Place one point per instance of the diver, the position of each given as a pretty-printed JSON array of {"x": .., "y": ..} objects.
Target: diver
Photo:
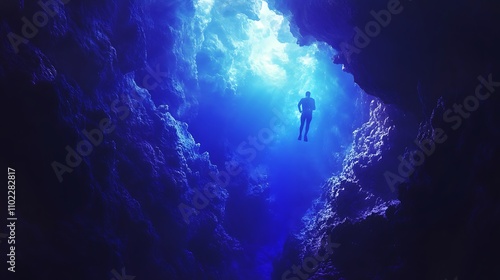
[{"x": 308, "y": 106}]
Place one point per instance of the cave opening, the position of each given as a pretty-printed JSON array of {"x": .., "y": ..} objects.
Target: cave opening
[{"x": 251, "y": 73}]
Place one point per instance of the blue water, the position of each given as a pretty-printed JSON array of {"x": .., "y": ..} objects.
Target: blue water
[{"x": 251, "y": 73}]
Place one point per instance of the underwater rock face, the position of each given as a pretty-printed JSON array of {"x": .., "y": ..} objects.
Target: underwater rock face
[
  {"x": 444, "y": 70},
  {"x": 103, "y": 168},
  {"x": 405, "y": 52}
]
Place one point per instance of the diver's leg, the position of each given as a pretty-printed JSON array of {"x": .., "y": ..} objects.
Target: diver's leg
[
  {"x": 302, "y": 120},
  {"x": 308, "y": 122}
]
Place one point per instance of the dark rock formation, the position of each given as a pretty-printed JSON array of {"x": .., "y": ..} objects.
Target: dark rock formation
[
  {"x": 94, "y": 72},
  {"x": 425, "y": 61}
]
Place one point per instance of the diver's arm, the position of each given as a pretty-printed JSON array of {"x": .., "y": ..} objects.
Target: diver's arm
[
  {"x": 314, "y": 105},
  {"x": 298, "y": 105}
]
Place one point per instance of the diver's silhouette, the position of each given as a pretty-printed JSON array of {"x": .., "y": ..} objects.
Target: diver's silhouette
[{"x": 308, "y": 105}]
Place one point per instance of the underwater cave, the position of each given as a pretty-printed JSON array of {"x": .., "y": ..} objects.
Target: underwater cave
[{"x": 250, "y": 139}]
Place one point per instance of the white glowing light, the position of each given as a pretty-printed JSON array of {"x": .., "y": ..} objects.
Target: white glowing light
[
  {"x": 307, "y": 60},
  {"x": 203, "y": 9},
  {"x": 261, "y": 52},
  {"x": 204, "y": 6},
  {"x": 267, "y": 55}
]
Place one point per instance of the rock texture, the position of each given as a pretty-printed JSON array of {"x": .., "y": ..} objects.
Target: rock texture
[
  {"x": 94, "y": 80},
  {"x": 427, "y": 62}
]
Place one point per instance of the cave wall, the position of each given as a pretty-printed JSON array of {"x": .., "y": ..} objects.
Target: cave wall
[
  {"x": 436, "y": 62},
  {"x": 419, "y": 46},
  {"x": 105, "y": 170}
]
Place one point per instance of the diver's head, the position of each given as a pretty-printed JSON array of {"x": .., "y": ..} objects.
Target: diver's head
[{"x": 308, "y": 94}]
